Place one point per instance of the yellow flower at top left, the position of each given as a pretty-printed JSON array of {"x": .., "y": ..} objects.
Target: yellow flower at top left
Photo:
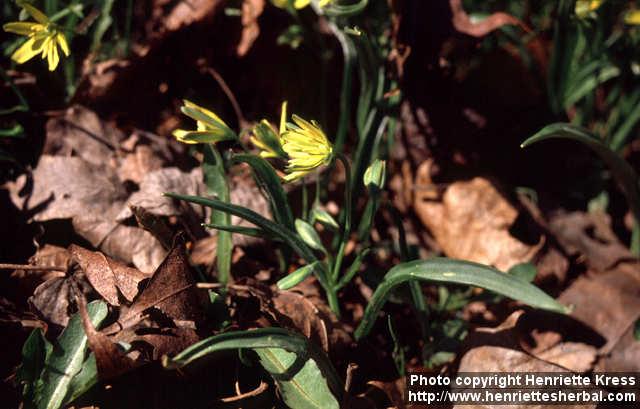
[{"x": 44, "y": 37}]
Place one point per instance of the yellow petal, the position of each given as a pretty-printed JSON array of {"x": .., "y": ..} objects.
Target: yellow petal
[
  {"x": 39, "y": 16},
  {"x": 24, "y": 28},
  {"x": 324, "y": 3},
  {"x": 632, "y": 17},
  {"x": 179, "y": 134},
  {"x": 204, "y": 111},
  {"x": 283, "y": 118},
  {"x": 62, "y": 40},
  {"x": 300, "y": 4},
  {"x": 52, "y": 55},
  {"x": 27, "y": 51}
]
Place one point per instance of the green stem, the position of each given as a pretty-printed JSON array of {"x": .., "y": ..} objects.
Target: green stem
[
  {"x": 348, "y": 55},
  {"x": 305, "y": 200},
  {"x": 346, "y": 229}
]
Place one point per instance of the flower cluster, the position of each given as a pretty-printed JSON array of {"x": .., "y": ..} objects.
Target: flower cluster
[
  {"x": 302, "y": 144},
  {"x": 44, "y": 38}
]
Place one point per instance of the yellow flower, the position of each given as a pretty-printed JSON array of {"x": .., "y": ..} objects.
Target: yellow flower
[
  {"x": 585, "y": 8},
  {"x": 307, "y": 147},
  {"x": 298, "y": 4},
  {"x": 210, "y": 128},
  {"x": 43, "y": 37},
  {"x": 632, "y": 17},
  {"x": 266, "y": 139}
]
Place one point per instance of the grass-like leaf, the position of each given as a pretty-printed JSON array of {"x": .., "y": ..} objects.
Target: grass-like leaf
[
  {"x": 624, "y": 174},
  {"x": 66, "y": 359},
  {"x": 304, "y": 375},
  {"x": 270, "y": 183},
  {"x": 216, "y": 181},
  {"x": 444, "y": 270},
  {"x": 274, "y": 229}
]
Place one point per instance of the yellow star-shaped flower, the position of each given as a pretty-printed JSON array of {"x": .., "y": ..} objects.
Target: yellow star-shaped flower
[
  {"x": 44, "y": 37},
  {"x": 307, "y": 148},
  {"x": 210, "y": 128}
]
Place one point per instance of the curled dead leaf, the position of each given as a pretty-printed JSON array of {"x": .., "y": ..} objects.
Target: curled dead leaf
[{"x": 471, "y": 221}]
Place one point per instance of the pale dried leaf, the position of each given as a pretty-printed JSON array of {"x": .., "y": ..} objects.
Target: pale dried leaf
[{"x": 471, "y": 221}]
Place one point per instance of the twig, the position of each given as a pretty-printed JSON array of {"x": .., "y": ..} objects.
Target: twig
[
  {"x": 261, "y": 388},
  {"x": 242, "y": 122},
  {"x": 30, "y": 267}
]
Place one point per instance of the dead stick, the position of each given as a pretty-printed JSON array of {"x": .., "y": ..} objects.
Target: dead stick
[{"x": 4, "y": 266}]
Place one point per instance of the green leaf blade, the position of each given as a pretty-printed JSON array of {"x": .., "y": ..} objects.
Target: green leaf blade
[
  {"x": 304, "y": 375},
  {"x": 444, "y": 270},
  {"x": 66, "y": 359}
]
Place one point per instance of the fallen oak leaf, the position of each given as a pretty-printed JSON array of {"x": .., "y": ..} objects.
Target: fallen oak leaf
[
  {"x": 110, "y": 361},
  {"x": 108, "y": 276},
  {"x": 171, "y": 289}
]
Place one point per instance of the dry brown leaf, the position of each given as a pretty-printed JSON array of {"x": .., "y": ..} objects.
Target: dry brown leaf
[
  {"x": 108, "y": 276},
  {"x": 110, "y": 361},
  {"x": 494, "y": 359},
  {"x": 251, "y": 11},
  {"x": 590, "y": 235},
  {"x": 462, "y": 22},
  {"x": 554, "y": 339},
  {"x": 471, "y": 221},
  {"x": 53, "y": 299},
  {"x": 304, "y": 316},
  {"x": 394, "y": 391},
  {"x": 150, "y": 195},
  {"x": 167, "y": 341},
  {"x": 608, "y": 302},
  {"x": 170, "y": 290},
  {"x": 188, "y": 12}
]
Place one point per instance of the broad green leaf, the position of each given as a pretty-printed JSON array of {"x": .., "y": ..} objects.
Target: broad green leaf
[
  {"x": 34, "y": 354},
  {"x": 295, "y": 278},
  {"x": 304, "y": 375},
  {"x": 309, "y": 235},
  {"x": 624, "y": 174},
  {"x": 444, "y": 270},
  {"x": 216, "y": 181},
  {"x": 66, "y": 358},
  {"x": 84, "y": 380},
  {"x": 270, "y": 183}
]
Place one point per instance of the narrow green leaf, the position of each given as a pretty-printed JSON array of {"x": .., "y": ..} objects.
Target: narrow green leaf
[
  {"x": 524, "y": 271},
  {"x": 309, "y": 235},
  {"x": 443, "y": 270},
  {"x": 304, "y": 375},
  {"x": 216, "y": 181},
  {"x": 66, "y": 359},
  {"x": 352, "y": 270},
  {"x": 624, "y": 174},
  {"x": 295, "y": 278},
  {"x": 620, "y": 136},
  {"x": 270, "y": 183},
  {"x": 346, "y": 10},
  {"x": 274, "y": 229},
  {"x": 636, "y": 330},
  {"x": 246, "y": 231}
]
